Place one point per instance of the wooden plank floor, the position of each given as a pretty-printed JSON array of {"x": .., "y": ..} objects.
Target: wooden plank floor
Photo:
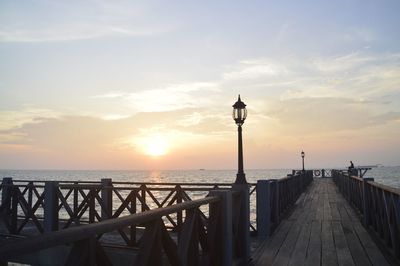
[{"x": 323, "y": 229}]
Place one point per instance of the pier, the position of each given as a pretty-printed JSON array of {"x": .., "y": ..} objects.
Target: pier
[
  {"x": 323, "y": 229},
  {"x": 320, "y": 217}
]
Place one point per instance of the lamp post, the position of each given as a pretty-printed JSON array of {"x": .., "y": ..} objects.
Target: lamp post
[
  {"x": 302, "y": 157},
  {"x": 239, "y": 115},
  {"x": 243, "y": 220}
]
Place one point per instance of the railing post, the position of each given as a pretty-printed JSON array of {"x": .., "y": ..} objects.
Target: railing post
[
  {"x": 6, "y": 193},
  {"x": 226, "y": 239},
  {"x": 345, "y": 185},
  {"x": 263, "y": 204},
  {"x": 14, "y": 210},
  {"x": 366, "y": 197},
  {"x": 92, "y": 204},
  {"x": 275, "y": 188},
  {"x": 243, "y": 249},
  {"x": 179, "y": 217},
  {"x": 75, "y": 198},
  {"x": 323, "y": 172},
  {"x": 50, "y": 222},
  {"x": 349, "y": 188},
  {"x": 106, "y": 197},
  {"x": 9, "y": 199},
  {"x": 132, "y": 227},
  {"x": 342, "y": 184},
  {"x": 30, "y": 194},
  {"x": 143, "y": 194}
]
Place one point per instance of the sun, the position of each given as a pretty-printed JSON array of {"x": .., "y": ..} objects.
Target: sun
[{"x": 155, "y": 146}]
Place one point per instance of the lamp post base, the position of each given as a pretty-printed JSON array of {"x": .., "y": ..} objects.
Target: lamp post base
[{"x": 240, "y": 178}]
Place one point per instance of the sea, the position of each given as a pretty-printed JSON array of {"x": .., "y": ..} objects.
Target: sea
[{"x": 386, "y": 175}]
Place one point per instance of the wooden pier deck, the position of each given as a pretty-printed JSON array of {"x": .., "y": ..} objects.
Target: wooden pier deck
[{"x": 323, "y": 229}]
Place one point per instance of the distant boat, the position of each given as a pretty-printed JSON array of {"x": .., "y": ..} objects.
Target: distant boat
[{"x": 202, "y": 169}]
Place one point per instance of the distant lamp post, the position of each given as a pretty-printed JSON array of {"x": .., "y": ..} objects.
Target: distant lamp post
[
  {"x": 302, "y": 157},
  {"x": 239, "y": 115}
]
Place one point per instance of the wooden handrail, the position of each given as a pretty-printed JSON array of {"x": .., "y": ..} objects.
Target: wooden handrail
[
  {"x": 81, "y": 186},
  {"x": 74, "y": 234},
  {"x": 376, "y": 184},
  {"x": 135, "y": 183},
  {"x": 378, "y": 206},
  {"x": 393, "y": 190},
  {"x": 356, "y": 178},
  {"x": 87, "y": 203}
]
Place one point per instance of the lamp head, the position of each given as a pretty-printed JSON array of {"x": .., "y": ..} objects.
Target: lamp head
[{"x": 239, "y": 113}]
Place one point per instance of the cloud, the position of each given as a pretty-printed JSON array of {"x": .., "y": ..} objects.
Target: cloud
[
  {"x": 86, "y": 132},
  {"x": 172, "y": 97},
  {"x": 342, "y": 63},
  {"x": 71, "y": 34},
  {"x": 65, "y": 132},
  {"x": 253, "y": 69},
  {"x": 360, "y": 75},
  {"x": 66, "y": 21},
  {"x": 192, "y": 119},
  {"x": 385, "y": 118},
  {"x": 111, "y": 95},
  {"x": 17, "y": 118},
  {"x": 114, "y": 117},
  {"x": 328, "y": 115}
]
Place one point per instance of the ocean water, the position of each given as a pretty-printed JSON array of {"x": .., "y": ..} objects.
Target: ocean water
[
  {"x": 386, "y": 175},
  {"x": 389, "y": 176},
  {"x": 182, "y": 176}
]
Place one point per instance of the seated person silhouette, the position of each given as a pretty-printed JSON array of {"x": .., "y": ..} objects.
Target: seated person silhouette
[{"x": 352, "y": 170}]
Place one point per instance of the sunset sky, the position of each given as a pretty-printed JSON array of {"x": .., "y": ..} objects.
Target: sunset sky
[{"x": 150, "y": 84}]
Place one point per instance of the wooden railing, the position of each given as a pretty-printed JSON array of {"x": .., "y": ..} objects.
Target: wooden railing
[
  {"x": 378, "y": 205},
  {"x": 210, "y": 243},
  {"x": 275, "y": 197},
  {"x": 49, "y": 206},
  {"x": 71, "y": 203}
]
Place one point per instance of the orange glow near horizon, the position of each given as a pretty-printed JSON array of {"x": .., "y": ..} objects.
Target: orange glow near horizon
[{"x": 155, "y": 146}]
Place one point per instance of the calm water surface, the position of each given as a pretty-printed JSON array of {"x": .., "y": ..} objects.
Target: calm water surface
[
  {"x": 386, "y": 175},
  {"x": 199, "y": 176}
]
